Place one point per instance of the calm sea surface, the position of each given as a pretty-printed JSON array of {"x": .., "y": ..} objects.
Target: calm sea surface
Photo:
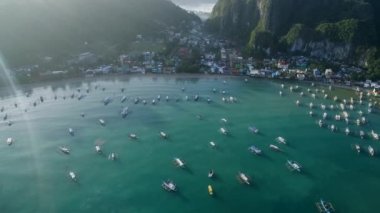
[{"x": 34, "y": 174}]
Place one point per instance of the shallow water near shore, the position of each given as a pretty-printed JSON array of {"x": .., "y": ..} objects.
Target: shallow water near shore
[{"x": 34, "y": 174}]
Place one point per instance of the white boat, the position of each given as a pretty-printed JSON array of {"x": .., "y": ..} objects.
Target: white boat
[
  {"x": 297, "y": 102},
  {"x": 281, "y": 140},
  {"x": 282, "y": 86},
  {"x": 179, "y": 163},
  {"x": 153, "y": 102},
  {"x": 144, "y": 102},
  {"x": 302, "y": 94},
  {"x": 293, "y": 166},
  {"x": 163, "y": 135},
  {"x": 311, "y": 113},
  {"x": 169, "y": 185},
  {"x": 371, "y": 151},
  {"x": 253, "y": 129},
  {"x": 357, "y": 148},
  {"x": 254, "y": 150},
  {"x": 124, "y": 112},
  {"x": 212, "y": 144},
  {"x": 98, "y": 149},
  {"x": 375, "y": 135},
  {"x": 71, "y": 131},
  {"x": 72, "y": 176},
  {"x": 320, "y": 123},
  {"x": 280, "y": 93},
  {"x": 333, "y": 128},
  {"x": 112, "y": 156},
  {"x": 362, "y": 134},
  {"x": 337, "y": 117},
  {"x": 132, "y": 136},
  {"x": 136, "y": 100},
  {"x": 324, "y": 207},
  {"x": 243, "y": 178},
  {"x": 358, "y": 122},
  {"x": 274, "y": 147},
  {"x": 223, "y": 131},
  {"x": 210, "y": 174},
  {"x": 347, "y": 131},
  {"x": 311, "y": 105},
  {"x": 323, "y": 107},
  {"x": 123, "y": 99},
  {"x": 196, "y": 97},
  {"x": 167, "y": 98},
  {"x": 9, "y": 141},
  {"x": 102, "y": 122},
  {"x": 324, "y": 116},
  {"x": 224, "y": 120},
  {"x": 64, "y": 150}
]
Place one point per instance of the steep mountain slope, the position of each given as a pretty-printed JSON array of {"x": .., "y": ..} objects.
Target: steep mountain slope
[
  {"x": 322, "y": 26},
  {"x": 38, "y": 28}
]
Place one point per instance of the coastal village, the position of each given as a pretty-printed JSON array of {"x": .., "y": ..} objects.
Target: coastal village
[{"x": 195, "y": 51}]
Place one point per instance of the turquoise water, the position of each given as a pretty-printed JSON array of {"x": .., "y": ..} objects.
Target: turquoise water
[{"x": 34, "y": 175}]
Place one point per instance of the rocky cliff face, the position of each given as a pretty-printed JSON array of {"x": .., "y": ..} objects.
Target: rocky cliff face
[{"x": 246, "y": 19}]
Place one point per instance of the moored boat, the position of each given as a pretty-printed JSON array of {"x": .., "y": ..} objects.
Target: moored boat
[
  {"x": 243, "y": 178},
  {"x": 64, "y": 150},
  {"x": 132, "y": 136},
  {"x": 169, "y": 186},
  {"x": 324, "y": 207},
  {"x": 254, "y": 150},
  {"x": 210, "y": 190},
  {"x": 274, "y": 147},
  {"x": 374, "y": 135},
  {"x": 102, "y": 122},
  {"x": 212, "y": 144},
  {"x": 223, "y": 131},
  {"x": 73, "y": 176},
  {"x": 9, "y": 141},
  {"x": 163, "y": 135},
  {"x": 210, "y": 173},
  {"x": 293, "y": 165},
  {"x": 253, "y": 129},
  {"x": 357, "y": 148},
  {"x": 179, "y": 163},
  {"x": 281, "y": 140},
  {"x": 371, "y": 151},
  {"x": 71, "y": 131}
]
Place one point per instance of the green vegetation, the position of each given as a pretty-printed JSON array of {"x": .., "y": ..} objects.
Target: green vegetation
[{"x": 33, "y": 29}]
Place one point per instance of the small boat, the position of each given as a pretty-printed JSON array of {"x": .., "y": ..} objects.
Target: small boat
[
  {"x": 362, "y": 134},
  {"x": 196, "y": 97},
  {"x": 280, "y": 93},
  {"x": 5, "y": 117},
  {"x": 163, "y": 135},
  {"x": 136, "y": 100},
  {"x": 144, "y": 102},
  {"x": 212, "y": 144},
  {"x": 254, "y": 150},
  {"x": 73, "y": 176},
  {"x": 243, "y": 178},
  {"x": 347, "y": 131},
  {"x": 224, "y": 120},
  {"x": 357, "y": 148},
  {"x": 311, "y": 105},
  {"x": 210, "y": 191},
  {"x": 337, "y": 117},
  {"x": 123, "y": 99},
  {"x": 293, "y": 166},
  {"x": 169, "y": 186},
  {"x": 153, "y": 101},
  {"x": 333, "y": 128},
  {"x": 158, "y": 97},
  {"x": 167, "y": 98},
  {"x": 371, "y": 151},
  {"x": 282, "y": 86},
  {"x": 102, "y": 122},
  {"x": 210, "y": 174},
  {"x": 274, "y": 147},
  {"x": 311, "y": 113},
  {"x": 324, "y": 207},
  {"x": 82, "y": 115},
  {"x": 98, "y": 149},
  {"x": 81, "y": 97},
  {"x": 302, "y": 94},
  {"x": 223, "y": 131},
  {"x": 358, "y": 122},
  {"x": 124, "y": 112},
  {"x": 281, "y": 140},
  {"x": 112, "y": 156},
  {"x": 9, "y": 141},
  {"x": 320, "y": 123},
  {"x": 107, "y": 100},
  {"x": 71, "y": 131},
  {"x": 324, "y": 116},
  {"x": 179, "y": 163},
  {"x": 64, "y": 150},
  {"x": 132, "y": 136},
  {"x": 253, "y": 129},
  {"x": 375, "y": 135},
  {"x": 297, "y": 102}
]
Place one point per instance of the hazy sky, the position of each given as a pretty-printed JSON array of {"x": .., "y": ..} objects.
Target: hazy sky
[{"x": 200, "y": 5}]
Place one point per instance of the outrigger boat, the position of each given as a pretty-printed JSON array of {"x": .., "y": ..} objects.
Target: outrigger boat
[
  {"x": 210, "y": 190},
  {"x": 210, "y": 174},
  {"x": 98, "y": 149},
  {"x": 73, "y": 176},
  {"x": 223, "y": 131},
  {"x": 179, "y": 163},
  {"x": 212, "y": 144},
  {"x": 253, "y": 129},
  {"x": 281, "y": 140},
  {"x": 124, "y": 112},
  {"x": 9, "y": 141},
  {"x": 64, "y": 150},
  {"x": 224, "y": 120},
  {"x": 123, "y": 99},
  {"x": 371, "y": 151},
  {"x": 254, "y": 150},
  {"x": 293, "y": 166},
  {"x": 324, "y": 207},
  {"x": 107, "y": 100},
  {"x": 357, "y": 148},
  {"x": 132, "y": 136},
  {"x": 375, "y": 135},
  {"x": 102, "y": 122},
  {"x": 243, "y": 178},
  {"x": 274, "y": 147},
  {"x": 362, "y": 134},
  {"x": 163, "y": 135},
  {"x": 169, "y": 186},
  {"x": 71, "y": 131}
]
